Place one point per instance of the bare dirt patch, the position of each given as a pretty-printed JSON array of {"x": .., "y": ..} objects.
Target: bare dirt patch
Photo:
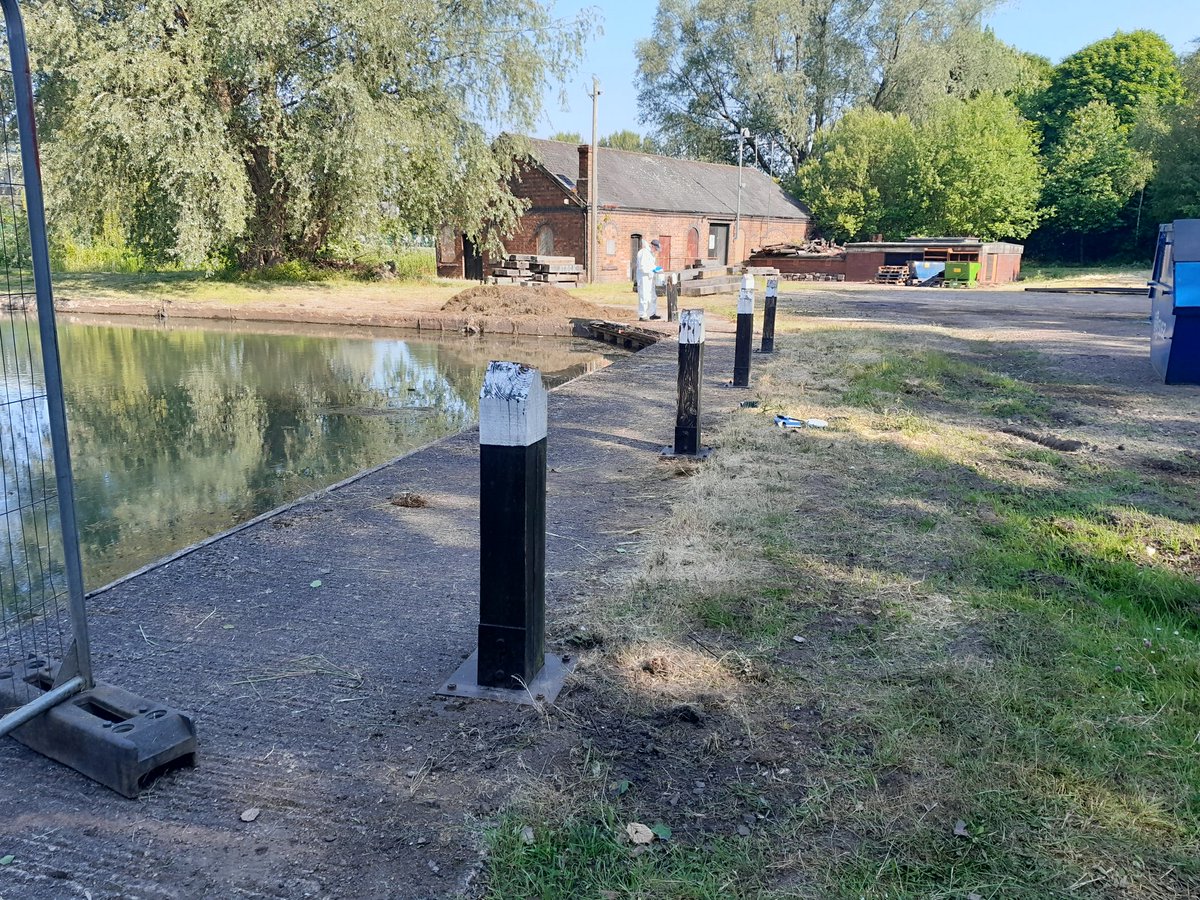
[{"x": 544, "y": 301}]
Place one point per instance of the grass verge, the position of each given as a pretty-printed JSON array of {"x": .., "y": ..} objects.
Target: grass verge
[{"x": 910, "y": 655}]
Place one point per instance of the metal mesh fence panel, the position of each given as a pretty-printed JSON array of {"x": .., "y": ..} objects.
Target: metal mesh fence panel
[{"x": 41, "y": 602}]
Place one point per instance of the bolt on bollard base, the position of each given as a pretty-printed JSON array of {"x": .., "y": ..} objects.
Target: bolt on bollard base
[
  {"x": 511, "y": 663},
  {"x": 691, "y": 367},
  {"x": 544, "y": 687}
]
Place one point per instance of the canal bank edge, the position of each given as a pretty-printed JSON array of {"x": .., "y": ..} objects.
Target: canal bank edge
[{"x": 421, "y": 321}]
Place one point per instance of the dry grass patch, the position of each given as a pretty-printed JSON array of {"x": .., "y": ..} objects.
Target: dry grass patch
[{"x": 910, "y": 655}]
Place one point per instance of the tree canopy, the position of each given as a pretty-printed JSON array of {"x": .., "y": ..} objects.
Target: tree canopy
[
  {"x": 969, "y": 168},
  {"x": 1093, "y": 172},
  {"x": 786, "y": 69},
  {"x": 1175, "y": 189},
  {"x": 1127, "y": 71},
  {"x": 863, "y": 177},
  {"x": 629, "y": 140},
  {"x": 272, "y": 130}
]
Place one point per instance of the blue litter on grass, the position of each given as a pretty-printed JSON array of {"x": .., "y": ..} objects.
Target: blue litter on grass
[{"x": 789, "y": 422}]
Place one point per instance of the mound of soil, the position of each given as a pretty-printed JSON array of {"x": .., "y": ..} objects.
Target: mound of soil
[{"x": 513, "y": 301}]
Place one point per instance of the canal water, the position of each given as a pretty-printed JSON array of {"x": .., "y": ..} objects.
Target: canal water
[{"x": 180, "y": 431}]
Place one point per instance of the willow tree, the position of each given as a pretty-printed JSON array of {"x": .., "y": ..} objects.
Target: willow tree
[
  {"x": 272, "y": 129},
  {"x": 786, "y": 69}
]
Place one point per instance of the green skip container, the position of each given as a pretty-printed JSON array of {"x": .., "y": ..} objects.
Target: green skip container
[{"x": 962, "y": 273}]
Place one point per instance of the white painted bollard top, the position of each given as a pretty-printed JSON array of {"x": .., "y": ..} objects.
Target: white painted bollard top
[
  {"x": 691, "y": 326},
  {"x": 512, "y": 406},
  {"x": 746, "y": 295}
]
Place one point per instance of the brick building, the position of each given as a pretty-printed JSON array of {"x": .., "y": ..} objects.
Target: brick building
[{"x": 690, "y": 207}]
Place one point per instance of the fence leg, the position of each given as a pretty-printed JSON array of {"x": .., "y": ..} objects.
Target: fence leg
[
  {"x": 672, "y": 297},
  {"x": 511, "y": 663},
  {"x": 745, "y": 333},
  {"x": 768, "y": 333},
  {"x": 691, "y": 367}
]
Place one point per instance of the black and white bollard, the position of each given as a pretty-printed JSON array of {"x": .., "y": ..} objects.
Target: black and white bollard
[
  {"x": 672, "y": 297},
  {"x": 768, "y": 334},
  {"x": 510, "y": 663},
  {"x": 745, "y": 333},
  {"x": 691, "y": 368}
]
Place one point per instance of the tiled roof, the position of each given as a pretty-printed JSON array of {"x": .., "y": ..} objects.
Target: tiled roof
[{"x": 631, "y": 180}]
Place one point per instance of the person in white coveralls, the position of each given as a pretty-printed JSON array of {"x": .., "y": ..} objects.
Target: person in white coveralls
[{"x": 645, "y": 266}]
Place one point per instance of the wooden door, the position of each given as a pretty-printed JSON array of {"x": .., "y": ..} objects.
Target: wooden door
[
  {"x": 718, "y": 244},
  {"x": 664, "y": 254},
  {"x": 693, "y": 246},
  {"x": 472, "y": 261}
]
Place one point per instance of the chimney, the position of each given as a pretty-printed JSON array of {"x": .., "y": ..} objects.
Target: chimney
[{"x": 581, "y": 183}]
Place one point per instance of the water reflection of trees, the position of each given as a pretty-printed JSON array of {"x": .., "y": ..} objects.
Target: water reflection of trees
[
  {"x": 180, "y": 433},
  {"x": 32, "y": 578}
]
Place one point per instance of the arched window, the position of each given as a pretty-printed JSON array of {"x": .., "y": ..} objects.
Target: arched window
[{"x": 545, "y": 241}]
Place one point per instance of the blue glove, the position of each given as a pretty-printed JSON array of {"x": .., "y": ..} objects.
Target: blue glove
[{"x": 658, "y": 268}]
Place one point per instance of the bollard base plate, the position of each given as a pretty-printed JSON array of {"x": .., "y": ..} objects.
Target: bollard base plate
[
  {"x": 544, "y": 688},
  {"x": 112, "y": 736},
  {"x": 669, "y": 453}
]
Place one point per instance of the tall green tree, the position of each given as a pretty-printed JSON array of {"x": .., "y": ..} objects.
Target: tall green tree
[
  {"x": 1175, "y": 189},
  {"x": 1093, "y": 172},
  {"x": 969, "y": 168},
  {"x": 785, "y": 69},
  {"x": 1127, "y": 71},
  {"x": 272, "y": 129},
  {"x": 567, "y": 137},
  {"x": 986, "y": 175},
  {"x": 863, "y": 177}
]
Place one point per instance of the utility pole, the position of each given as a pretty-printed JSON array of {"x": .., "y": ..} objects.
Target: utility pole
[
  {"x": 593, "y": 193},
  {"x": 737, "y": 231}
]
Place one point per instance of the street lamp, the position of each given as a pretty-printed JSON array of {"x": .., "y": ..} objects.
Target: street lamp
[{"x": 742, "y": 135}]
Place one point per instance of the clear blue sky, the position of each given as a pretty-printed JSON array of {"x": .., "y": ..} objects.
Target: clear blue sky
[{"x": 1052, "y": 28}]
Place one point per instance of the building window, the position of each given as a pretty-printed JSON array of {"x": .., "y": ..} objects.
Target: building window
[{"x": 545, "y": 241}]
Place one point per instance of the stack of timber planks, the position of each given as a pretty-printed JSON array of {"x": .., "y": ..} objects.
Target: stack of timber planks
[
  {"x": 528, "y": 268},
  {"x": 709, "y": 279},
  {"x": 705, "y": 281}
]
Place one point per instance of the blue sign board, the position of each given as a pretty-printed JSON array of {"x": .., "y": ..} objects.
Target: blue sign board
[{"x": 1175, "y": 303}]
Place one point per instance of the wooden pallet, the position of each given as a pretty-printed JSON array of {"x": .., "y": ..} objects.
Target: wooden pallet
[
  {"x": 892, "y": 275},
  {"x": 628, "y": 336}
]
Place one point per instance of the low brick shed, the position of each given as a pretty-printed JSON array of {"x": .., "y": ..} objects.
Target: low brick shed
[{"x": 690, "y": 207}]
